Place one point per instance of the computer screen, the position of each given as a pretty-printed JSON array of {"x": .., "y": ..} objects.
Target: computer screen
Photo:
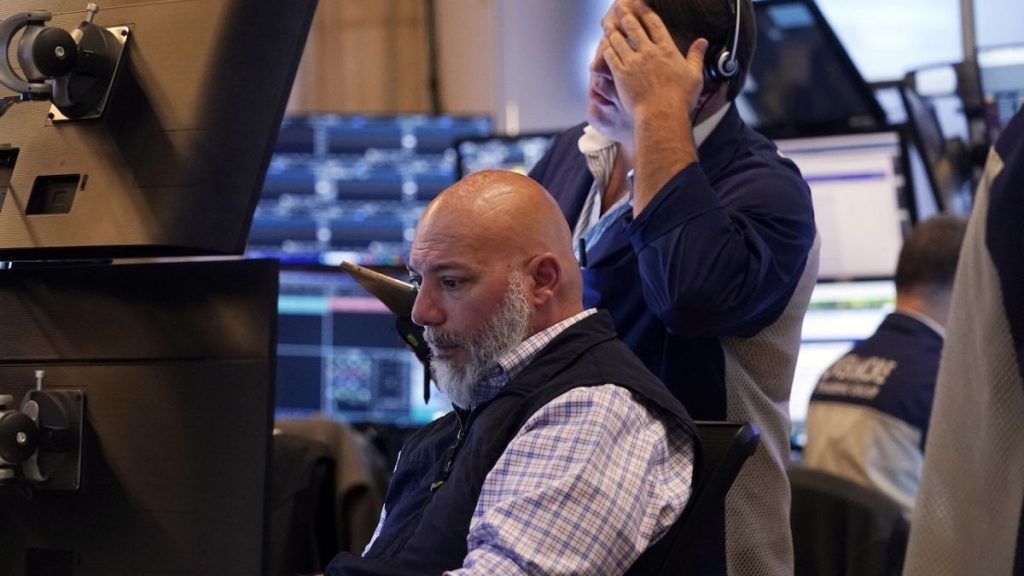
[
  {"x": 176, "y": 363},
  {"x": 1002, "y": 79},
  {"x": 801, "y": 80},
  {"x": 516, "y": 153},
  {"x": 174, "y": 164},
  {"x": 352, "y": 187},
  {"x": 340, "y": 356},
  {"x": 862, "y": 205},
  {"x": 840, "y": 315}
]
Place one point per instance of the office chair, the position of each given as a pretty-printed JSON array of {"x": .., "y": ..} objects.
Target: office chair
[
  {"x": 359, "y": 484},
  {"x": 842, "y": 528},
  {"x": 697, "y": 537},
  {"x": 303, "y": 534}
]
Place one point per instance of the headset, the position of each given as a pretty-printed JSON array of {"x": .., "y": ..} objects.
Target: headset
[{"x": 720, "y": 62}]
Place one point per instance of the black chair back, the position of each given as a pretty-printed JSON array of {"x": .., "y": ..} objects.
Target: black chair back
[
  {"x": 303, "y": 532},
  {"x": 842, "y": 528},
  {"x": 697, "y": 538}
]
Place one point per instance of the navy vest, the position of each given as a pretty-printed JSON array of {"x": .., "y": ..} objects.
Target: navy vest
[{"x": 442, "y": 468}]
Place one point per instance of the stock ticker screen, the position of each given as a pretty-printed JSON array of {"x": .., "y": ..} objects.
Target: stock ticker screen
[
  {"x": 339, "y": 355},
  {"x": 352, "y": 188}
]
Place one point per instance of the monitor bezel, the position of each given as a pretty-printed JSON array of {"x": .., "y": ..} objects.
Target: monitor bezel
[{"x": 862, "y": 87}]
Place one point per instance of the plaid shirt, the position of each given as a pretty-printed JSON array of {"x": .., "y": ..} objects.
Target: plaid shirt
[{"x": 589, "y": 482}]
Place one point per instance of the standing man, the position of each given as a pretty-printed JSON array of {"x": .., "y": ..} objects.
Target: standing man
[
  {"x": 869, "y": 414},
  {"x": 697, "y": 236},
  {"x": 968, "y": 517}
]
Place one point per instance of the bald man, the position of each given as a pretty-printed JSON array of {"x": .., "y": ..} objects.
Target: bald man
[{"x": 563, "y": 454}]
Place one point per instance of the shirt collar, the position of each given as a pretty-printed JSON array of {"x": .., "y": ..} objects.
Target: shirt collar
[
  {"x": 926, "y": 320},
  {"x": 512, "y": 363},
  {"x": 704, "y": 129}
]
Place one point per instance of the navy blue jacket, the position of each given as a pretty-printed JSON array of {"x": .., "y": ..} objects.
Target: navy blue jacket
[
  {"x": 718, "y": 252},
  {"x": 906, "y": 387},
  {"x": 442, "y": 468}
]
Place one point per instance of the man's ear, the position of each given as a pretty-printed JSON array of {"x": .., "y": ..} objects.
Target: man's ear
[{"x": 546, "y": 273}]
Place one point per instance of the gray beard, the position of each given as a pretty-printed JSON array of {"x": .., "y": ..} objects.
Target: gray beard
[{"x": 498, "y": 336}]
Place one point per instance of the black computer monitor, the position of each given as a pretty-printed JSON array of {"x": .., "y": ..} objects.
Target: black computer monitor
[
  {"x": 174, "y": 164},
  {"x": 802, "y": 81},
  {"x": 341, "y": 357},
  {"x": 351, "y": 187},
  {"x": 176, "y": 363}
]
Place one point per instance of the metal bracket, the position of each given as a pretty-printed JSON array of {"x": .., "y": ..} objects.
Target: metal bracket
[
  {"x": 44, "y": 439},
  {"x": 64, "y": 100}
]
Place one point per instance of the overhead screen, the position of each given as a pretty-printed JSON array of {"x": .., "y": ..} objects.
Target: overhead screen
[
  {"x": 951, "y": 183},
  {"x": 861, "y": 206},
  {"x": 352, "y": 187},
  {"x": 339, "y": 355},
  {"x": 801, "y": 80}
]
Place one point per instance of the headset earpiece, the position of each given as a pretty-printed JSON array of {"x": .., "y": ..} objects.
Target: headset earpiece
[
  {"x": 719, "y": 65},
  {"x": 720, "y": 61}
]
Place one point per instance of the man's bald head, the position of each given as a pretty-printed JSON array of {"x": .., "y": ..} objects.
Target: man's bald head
[
  {"x": 505, "y": 210},
  {"x": 504, "y": 219}
]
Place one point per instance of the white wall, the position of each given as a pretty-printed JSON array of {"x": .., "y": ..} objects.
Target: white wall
[
  {"x": 887, "y": 38},
  {"x": 523, "y": 61},
  {"x": 999, "y": 22},
  {"x": 466, "y": 55},
  {"x": 542, "y": 51}
]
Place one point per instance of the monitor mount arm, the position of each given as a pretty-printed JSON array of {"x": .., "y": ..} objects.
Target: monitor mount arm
[
  {"x": 75, "y": 70},
  {"x": 40, "y": 442}
]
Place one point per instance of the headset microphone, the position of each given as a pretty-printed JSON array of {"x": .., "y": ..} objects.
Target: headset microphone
[{"x": 720, "y": 63}]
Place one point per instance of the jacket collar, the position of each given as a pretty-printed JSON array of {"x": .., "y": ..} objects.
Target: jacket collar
[{"x": 720, "y": 147}]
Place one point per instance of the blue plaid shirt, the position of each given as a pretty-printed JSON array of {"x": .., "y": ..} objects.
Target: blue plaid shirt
[{"x": 590, "y": 481}]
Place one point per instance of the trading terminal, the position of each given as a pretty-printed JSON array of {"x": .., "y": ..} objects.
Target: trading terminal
[{"x": 206, "y": 391}]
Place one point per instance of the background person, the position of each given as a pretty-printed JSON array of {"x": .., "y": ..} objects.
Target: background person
[
  {"x": 868, "y": 416},
  {"x": 969, "y": 508}
]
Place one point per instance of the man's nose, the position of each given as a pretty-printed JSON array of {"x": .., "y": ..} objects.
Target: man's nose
[{"x": 425, "y": 309}]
